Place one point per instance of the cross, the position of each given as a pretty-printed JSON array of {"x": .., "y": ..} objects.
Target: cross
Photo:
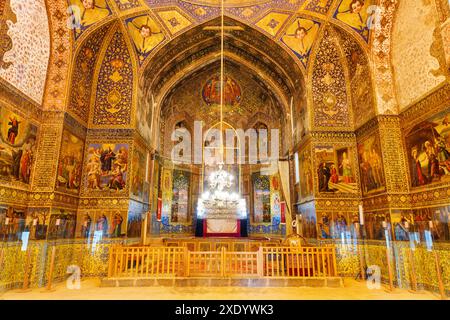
[{"x": 225, "y": 28}]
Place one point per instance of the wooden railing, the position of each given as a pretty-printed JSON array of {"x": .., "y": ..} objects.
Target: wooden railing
[
  {"x": 299, "y": 262},
  {"x": 267, "y": 262},
  {"x": 217, "y": 245}
]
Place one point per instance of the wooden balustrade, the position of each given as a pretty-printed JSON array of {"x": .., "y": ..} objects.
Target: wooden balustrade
[
  {"x": 217, "y": 245},
  {"x": 173, "y": 262},
  {"x": 299, "y": 262}
]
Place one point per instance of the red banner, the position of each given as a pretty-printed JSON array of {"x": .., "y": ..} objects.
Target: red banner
[
  {"x": 159, "y": 211},
  {"x": 283, "y": 211}
]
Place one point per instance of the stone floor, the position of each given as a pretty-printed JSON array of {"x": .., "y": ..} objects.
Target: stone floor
[{"x": 91, "y": 290}]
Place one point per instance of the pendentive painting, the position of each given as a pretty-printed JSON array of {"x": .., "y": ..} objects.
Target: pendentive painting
[
  {"x": 17, "y": 147},
  {"x": 70, "y": 163},
  {"x": 335, "y": 170},
  {"x": 358, "y": 14},
  {"x": 371, "y": 166},
  {"x": 107, "y": 167},
  {"x": 428, "y": 148},
  {"x": 86, "y": 13}
]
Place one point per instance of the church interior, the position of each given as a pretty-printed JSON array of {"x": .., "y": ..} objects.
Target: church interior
[{"x": 300, "y": 144}]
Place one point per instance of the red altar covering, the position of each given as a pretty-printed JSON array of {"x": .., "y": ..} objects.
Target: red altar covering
[{"x": 221, "y": 228}]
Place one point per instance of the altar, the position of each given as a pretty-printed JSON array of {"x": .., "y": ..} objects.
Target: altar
[{"x": 223, "y": 223}]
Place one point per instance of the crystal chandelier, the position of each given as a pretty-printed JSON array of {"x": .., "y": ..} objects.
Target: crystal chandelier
[{"x": 218, "y": 201}]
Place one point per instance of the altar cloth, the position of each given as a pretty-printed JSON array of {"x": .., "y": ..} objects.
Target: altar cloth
[{"x": 219, "y": 226}]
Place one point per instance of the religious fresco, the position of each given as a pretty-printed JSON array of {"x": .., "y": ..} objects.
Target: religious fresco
[
  {"x": 308, "y": 221},
  {"x": 335, "y": 170},
  {"x": 402, "y": 224},
  {"x": 371, "y": 166},
  {"x": 232, "y": 94},
  {"x": 377, "y": 225},
  {"x": 134, "y": 225},
  {"x": 62, "y": 224},
  {"x": 261, "y": 198},
  {"x": 356, "y": 14},
  {"x": 17, "y": 147},
  {"x": 339, "y": 225},
  {"x": 300, "y": 37},
  {"x": 88, "y": 12},
  {"x": 107, "y": 166},
  {"x": 70, "y": 163},
  {"x": 25, "y": 52},
  {"x": 36, "y": 221},
  {"x": 111, "y": 224},
  {"x": 145, "y": 34},
  {"x": 13, "y": 222},
  {"x": 138, "y": 163},
  {"x": 180, "y": 198},
  {"x": 114, "y": 94},
  {"x": 428, "y": 149},
  {"x": 306, "y": 176},
  {"x": 435, "y": 221}
]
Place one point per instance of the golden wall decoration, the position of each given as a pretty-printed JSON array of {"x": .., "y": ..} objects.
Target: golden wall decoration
[
  {"x": 332, "y": 106},
  {"x": 114, "y": 85},
  {"x": 61, "y": 50},
  {"x": 83, "y": 73}
]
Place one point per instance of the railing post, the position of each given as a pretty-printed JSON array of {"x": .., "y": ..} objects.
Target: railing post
[
  {"x": 439, "y": 276},
  {"x": 188, "y": 266},
  {"x": 260, "y": 262},
  {"x": 186, "y": 261},
  {"x": 222, "y": 262},
  {"x": 335, "y": 272}
]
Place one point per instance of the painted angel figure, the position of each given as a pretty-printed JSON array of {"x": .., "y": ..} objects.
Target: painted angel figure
[
  {"x": 301, "y": 41},
  {"x": 145, "y": 37},
  {"x": 354, "y": 13},
  {"x": 90, "y": 11}
]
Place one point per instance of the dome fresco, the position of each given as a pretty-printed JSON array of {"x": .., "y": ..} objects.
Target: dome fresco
[{"x": 231, "y": 91}]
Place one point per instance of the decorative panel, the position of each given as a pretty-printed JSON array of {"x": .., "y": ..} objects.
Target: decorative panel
[
  {"x": 329, "y": 87},
  {"x": 114, "y": 89}
]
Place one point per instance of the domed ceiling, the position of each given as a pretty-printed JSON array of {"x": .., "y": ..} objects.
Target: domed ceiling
[{"x": 295, "y": 24}]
